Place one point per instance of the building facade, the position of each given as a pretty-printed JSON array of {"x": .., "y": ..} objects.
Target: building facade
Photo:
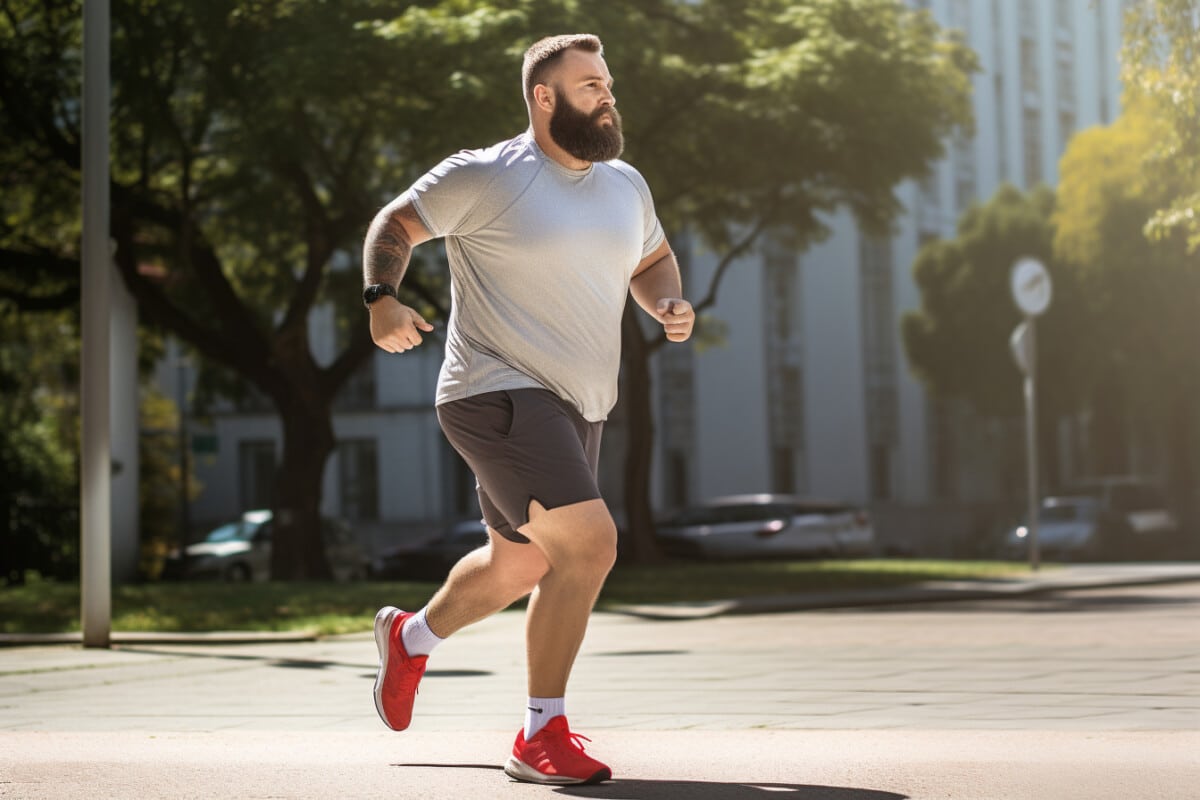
[{"x": 811, "y": 392}]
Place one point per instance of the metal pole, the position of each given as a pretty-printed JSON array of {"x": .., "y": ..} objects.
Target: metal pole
[
  {"x": 185, "y": 514},
  {"x": 1031, "y": 445},
  {"x": 96, "y": 468}
]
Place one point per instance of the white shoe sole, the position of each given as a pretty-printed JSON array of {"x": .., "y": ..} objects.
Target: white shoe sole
[
  {"x": 383, "y": 627},
  {"x": 519, "y": 770}
]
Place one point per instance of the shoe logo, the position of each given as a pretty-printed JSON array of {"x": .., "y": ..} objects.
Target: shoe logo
[{"x": 535, "y": 710}]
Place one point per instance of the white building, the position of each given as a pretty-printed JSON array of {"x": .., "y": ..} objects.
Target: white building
[{"x": 810, "y": 392}]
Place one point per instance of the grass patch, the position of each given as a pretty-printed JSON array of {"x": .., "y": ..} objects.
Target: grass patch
[
  {"x": 44, "y": 606},
  {"x": 700, "y": 581}
]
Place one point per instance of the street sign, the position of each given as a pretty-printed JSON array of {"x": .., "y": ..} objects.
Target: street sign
[{"x": 1031, "y": 286}]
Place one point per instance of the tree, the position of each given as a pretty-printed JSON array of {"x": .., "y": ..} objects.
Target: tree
[
  {"x": 38, "y": 440},
  {"x": 1161, "y": 62},
  {"x": 958, "y": 341},
  {"x": 252, "y": 142},
  {"x": 1141, "y": 291}
]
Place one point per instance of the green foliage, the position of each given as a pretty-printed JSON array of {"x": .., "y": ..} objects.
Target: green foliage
[
  {"x": 1161, "y": 62},
  {"x": 958, "y": 341},
  {"x": 38, "y": 441},
  {"x": 1141, "y": 292}
]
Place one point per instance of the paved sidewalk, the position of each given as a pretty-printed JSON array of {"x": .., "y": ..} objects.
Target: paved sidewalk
[{"x": 1090, "y": 693}]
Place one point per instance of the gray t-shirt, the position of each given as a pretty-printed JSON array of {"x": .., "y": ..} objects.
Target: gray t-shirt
[{"x": 540, "y": 262}]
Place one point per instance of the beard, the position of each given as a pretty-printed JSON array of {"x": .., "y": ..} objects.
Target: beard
[{"x": 583, "y": 136}]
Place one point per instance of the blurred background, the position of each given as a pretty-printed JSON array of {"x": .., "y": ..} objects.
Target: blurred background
[{"x": 846, "y": 183}]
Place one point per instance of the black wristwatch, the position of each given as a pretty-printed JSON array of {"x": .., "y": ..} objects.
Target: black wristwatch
[{"x": 376, "y": 291}]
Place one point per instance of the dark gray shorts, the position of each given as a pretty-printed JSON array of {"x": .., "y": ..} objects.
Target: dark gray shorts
[{"x": 523, "y": 445}]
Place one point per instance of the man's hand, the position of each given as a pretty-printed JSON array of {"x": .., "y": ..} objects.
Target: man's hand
[
  {"x": 677, "y": 316},
  {"x": 394, "y": 325}
]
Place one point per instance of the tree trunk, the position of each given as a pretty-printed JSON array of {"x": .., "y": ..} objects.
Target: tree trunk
[
  {"x": 639, "y": 452},
  {"x": 298, "y": 550}
]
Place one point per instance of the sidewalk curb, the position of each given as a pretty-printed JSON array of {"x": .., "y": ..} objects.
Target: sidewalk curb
[
  {"x": 931, "y": 592},
  {"x": 136, "y": 637}
]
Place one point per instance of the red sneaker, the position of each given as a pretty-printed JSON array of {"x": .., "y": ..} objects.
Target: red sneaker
[
  {"x": 554, "y": 755},
  {"x": 398, "y": 676}
]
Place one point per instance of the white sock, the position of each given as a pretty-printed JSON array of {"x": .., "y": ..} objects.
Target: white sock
[
  {"x": 539, "y": 711},
  {"x": 418, "y": 639}
]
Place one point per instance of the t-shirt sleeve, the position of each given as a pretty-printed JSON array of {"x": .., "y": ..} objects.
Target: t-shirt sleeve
[
  {"x": 652, "y": 230},
  {"x": 446, "y": 196}
]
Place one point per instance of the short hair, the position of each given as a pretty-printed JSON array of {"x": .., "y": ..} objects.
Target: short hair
[{"x": 542, "y": 55}]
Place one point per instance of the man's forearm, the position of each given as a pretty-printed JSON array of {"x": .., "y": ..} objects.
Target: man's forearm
[
  {"x": 387, "y": 249},
  {"x": 659, "y": 280}
]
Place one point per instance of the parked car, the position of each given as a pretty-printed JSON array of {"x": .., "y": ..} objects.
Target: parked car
[
  {"x": 241, "y": 551},
  {"x": 767, "y": 525},
  {"x": 432, "y": 559},
  {"x": 1102, "y": 518},
  {"x": 1068, "y": 528}
]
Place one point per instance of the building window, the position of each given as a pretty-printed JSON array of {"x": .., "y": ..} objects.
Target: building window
[
  {"x": 358, "y": 475},
  {"x": 783, "y": 470},
  {"x": 1065, "y": 77},
  {"x": 960, "y": 16},
  {"x": 256, "y": 473},
  {"x": 785, "y": 390},
  {"x": 1029, "y": 70},
  {"x": 998, "y": 84},
  {"x": 1027, "y": 19},
  {"x": 881, "y": 472},
  {"x": 1062, "y": 14},
  {"x": 879, "y": 359},
  {"x": 1032, "y": 129},
  {"x": 1066, "y": 128},
  {"x": 1102, "y": 78},
  {"x": 964, "y": 172}
]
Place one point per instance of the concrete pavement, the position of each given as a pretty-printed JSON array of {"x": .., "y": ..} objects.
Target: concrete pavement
[{"x": 1091, "y": 692}]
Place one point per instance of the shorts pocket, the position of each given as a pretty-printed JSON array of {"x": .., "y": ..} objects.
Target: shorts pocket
[{"x": 508, "y": 421}]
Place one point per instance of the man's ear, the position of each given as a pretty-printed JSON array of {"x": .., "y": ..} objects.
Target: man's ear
[{"x": 543, "y": 96}]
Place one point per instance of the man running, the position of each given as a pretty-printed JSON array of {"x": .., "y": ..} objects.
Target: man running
[{"x": 546, "y": 234}]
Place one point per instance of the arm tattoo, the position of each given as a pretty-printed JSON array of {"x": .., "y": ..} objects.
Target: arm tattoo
[{"x": 387, "y": 249}]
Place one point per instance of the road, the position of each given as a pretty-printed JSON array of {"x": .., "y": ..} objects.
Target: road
[{"x": 1090, "y": 694}]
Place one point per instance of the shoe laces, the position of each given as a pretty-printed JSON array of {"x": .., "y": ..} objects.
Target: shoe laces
[{"x": 577, "y": 740}]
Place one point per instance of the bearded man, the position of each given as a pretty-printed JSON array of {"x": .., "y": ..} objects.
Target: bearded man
[{"x": 546, "y": 235}]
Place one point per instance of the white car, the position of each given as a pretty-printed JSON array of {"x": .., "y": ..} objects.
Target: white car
[
  {"x": 767, "y": 525},
  {"x": 241, "y": 551},
  {"x": 1104, "y": 518},
  {"x": 1068, "y": 527}
]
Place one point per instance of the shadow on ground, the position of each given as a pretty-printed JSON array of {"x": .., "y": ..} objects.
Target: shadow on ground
[
  {"x": 1075, "y": 602},
  {"x": 697, "y": 790},
  {"x": 706, "y": 790}
]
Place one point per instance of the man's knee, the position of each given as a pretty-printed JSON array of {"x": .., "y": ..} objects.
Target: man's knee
[{"x": 577, "y": 538}]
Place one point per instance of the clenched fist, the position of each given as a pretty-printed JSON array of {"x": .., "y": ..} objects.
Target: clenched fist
[
  {"x": 677, "y": 316},
  {"x": 395, "y": 327}
]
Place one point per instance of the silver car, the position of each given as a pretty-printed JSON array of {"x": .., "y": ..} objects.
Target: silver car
[
  {"x": 768, "y": 526},
  {"x": 1102, "y": 518},
  {"x": 241, "y": 551},
  {"x": 1068, "y": 527}
]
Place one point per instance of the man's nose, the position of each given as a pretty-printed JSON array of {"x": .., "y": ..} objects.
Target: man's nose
[{"x": 608, "y": 99}]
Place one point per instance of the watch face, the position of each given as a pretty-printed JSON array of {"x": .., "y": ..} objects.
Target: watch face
[{"x": 376, "y": 291}]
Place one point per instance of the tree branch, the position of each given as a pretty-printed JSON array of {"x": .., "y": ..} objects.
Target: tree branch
[{"x": 732, "y": 254}]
